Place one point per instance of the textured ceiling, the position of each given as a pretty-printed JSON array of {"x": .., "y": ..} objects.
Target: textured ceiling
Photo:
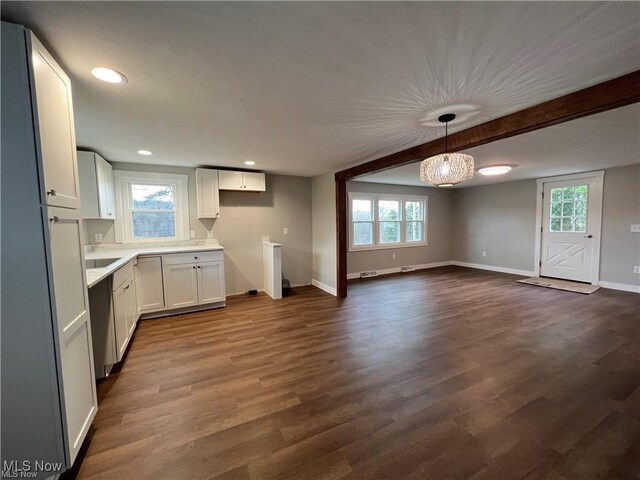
[
  {"x": 606, "y": 140},
  {"x": 304, "y": 88}
]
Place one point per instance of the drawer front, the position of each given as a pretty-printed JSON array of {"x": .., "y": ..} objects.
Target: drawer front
[
  {"x": 121, "y": 275},
  {"x": 192, "y": 257}
]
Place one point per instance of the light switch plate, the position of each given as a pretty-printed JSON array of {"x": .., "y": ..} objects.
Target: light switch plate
[
  {"x": 635, "y": 227},
  {"x": 286, "y": 231},
  {"x": 192, "y": 234},
  {"x": 98, "y": 237},
  {"x": 636, "y": 269}
]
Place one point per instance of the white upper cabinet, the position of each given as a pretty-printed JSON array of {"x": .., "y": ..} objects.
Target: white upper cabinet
[
  {"x": 207, "y": 194},
  {"x": 54, "y": 116},
  {"x": 96, "y": 186},
  {"x": 254, "y": 182},
  {"x": 245, "y": 181}
]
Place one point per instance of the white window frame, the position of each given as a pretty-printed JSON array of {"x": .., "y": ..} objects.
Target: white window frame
[
  {"x": 375, "y": 197},
  {"x": 123, "y": 223}
]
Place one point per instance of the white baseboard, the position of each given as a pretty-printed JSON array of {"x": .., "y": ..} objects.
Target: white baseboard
[
  {"x": 387, "y": 271},
  {"x": 512, "y": 271},
  {"x": 325, "y": 287},
  {"x": 625, "y": 287}
]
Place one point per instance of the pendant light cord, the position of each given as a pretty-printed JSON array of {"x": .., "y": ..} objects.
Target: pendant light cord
[{"x": 446, "y": 137}]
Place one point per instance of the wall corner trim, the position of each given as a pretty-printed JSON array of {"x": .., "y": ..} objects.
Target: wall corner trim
[{"x": 325, "y": 287}]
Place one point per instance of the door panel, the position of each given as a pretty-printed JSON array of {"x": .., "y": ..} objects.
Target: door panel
[
  {"x": 104, "y": 176},
  {"x": 229, "y": 180},
  {"x": 56, "y": 129},
  {"x": 120, "y": 318},
  {"x": 149, "y": 287},
  {"x": 132, "y": 314},
  {"x": 73, "y": 324},
  {"x": 211, "y": 282},
  {"x": 253, "y": 181},
  {"x": 180, "y": 285},
  {"x": 570, "y": 224}
]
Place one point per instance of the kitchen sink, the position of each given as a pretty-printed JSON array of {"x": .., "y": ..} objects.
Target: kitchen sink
[{"x": 100, "y": 263}]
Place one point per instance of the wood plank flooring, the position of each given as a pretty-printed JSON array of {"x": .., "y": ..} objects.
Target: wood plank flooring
[{"x": 446, "y": 373}]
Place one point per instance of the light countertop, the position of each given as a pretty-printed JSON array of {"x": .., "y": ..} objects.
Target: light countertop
[{"x": 124, "y": 256}]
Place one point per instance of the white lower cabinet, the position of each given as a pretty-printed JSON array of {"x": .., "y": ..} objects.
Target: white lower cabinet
[
  {"x": 149, "y": 285},
  {"x": 210, "y": 282},
  {"x": 198, "y": 282},
  {"x": 120, "y": 320},
  {"x": 124, "y": 312},
  {"x": 181, "y": 285}
]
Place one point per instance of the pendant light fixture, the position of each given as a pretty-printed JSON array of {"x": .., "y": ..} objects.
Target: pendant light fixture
[{"x": 446, "y": 169}]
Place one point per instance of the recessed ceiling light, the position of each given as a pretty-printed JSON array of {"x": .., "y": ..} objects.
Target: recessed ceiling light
[
  {"x": 250, "y": 162},
  {"x": 108, "y": 75},
  {"x": 144, "y": 152},
  {"x": 495, "y": 170}
]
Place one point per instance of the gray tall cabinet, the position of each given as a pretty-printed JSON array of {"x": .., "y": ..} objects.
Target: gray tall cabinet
[{"x": 48, "y": 384}]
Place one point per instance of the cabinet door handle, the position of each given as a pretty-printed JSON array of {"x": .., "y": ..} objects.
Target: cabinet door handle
[
  {"x": 195, "y": 258},
  {"x": 51, "y": 192},
  {"x": 198, "y": 266},
  {"x": 127, "y": 287},
  {"x": 193, "y": 266}
]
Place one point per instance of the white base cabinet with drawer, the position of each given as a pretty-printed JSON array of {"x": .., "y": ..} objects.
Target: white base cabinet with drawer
[
  {"x": 193, "y": 279},
  {"x": 152, "y": 286}
]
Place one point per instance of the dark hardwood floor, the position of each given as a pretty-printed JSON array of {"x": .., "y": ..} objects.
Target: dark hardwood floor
[{"x": 445, "y": 373}]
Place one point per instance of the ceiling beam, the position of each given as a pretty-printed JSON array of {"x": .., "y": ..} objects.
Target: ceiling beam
[{"x": 604, "y": 96}]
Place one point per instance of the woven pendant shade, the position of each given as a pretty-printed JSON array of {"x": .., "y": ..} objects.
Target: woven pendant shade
[{"x": 446, "y": 169}]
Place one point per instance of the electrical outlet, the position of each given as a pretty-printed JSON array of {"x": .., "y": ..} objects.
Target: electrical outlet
[
  {"x": 635, "y": 227},
  {"x": 286, "y": 231},
  {"x": 98, "y": 237},
  {"x": 192, "y": 234},
  {"x": 209, "y": 234},
  {"x": 393, "y": 255},
  {"x": 636, "y": 269},
  {"x": 484, "y": 254}
]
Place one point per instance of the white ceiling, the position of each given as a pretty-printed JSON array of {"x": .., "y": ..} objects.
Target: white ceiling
[
  {"x": 304, "y": 88},
  {"x": 606, "y": 140}
]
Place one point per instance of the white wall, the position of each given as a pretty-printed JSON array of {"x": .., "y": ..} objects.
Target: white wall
[
  {"x": 500, "y": 219},
  {"x": 324, "y": 240}
]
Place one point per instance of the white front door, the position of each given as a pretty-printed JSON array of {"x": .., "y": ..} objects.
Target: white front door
[{"x": 571, "y": 218}]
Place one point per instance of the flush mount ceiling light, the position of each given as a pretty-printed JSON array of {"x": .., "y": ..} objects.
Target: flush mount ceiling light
[
  {"x": 108, "y": 75},
  {"x": 494, "y": 170},
  {"x": 146, "y": 153},
  {"x": 250, "y": 163},
  {"x": 446, "y": 169}
]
